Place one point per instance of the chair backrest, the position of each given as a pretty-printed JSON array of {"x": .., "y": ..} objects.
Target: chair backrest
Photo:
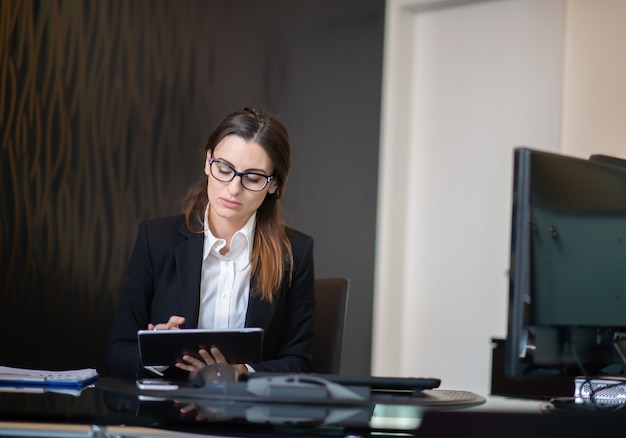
[{"x": 330, "y": 316}]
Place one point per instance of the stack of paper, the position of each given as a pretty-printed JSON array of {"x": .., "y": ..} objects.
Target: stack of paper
[{"x": 44, "y": 378}]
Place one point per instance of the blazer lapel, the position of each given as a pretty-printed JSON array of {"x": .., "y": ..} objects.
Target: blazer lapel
[
  {"x": 260, "y": 313},
  {"x": 188, "y": 256}
]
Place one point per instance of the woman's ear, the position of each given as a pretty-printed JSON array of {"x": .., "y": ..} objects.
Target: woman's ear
[{"x": 273, "y": 189}]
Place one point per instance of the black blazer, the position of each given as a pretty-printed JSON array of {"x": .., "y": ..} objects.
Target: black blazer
[{"x": 163, "y": 279}]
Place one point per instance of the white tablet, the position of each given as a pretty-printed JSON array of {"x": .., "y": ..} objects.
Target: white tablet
[{"x": 165, "y": 347}]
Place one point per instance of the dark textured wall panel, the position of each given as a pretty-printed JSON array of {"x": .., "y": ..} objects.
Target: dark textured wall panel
[
  {"x": 104, "y": 109},
  {"x": 93, "y": 102}
]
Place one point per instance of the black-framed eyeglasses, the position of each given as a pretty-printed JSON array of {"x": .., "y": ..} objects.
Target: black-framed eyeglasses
[{"x": 224, "y": 172}]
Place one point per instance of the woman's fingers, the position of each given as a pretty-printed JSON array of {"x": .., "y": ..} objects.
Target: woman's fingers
[
  {"x": 192, "y": 364},
  {"x": 208, "y": 358},
  {"x": 174, "y": 322},
  {"x": 217, "y": 355}
]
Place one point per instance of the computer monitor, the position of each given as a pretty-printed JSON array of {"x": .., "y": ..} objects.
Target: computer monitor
[{"x": 567, "y": 285}]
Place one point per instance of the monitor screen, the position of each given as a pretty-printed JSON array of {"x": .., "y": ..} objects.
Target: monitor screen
[{"x": 567, "y": 285}]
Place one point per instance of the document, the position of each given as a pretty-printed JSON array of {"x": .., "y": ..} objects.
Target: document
[{"x": 45, "y": 378}]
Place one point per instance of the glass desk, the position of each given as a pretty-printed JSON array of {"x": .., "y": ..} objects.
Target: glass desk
[{"x": 116, "y": 407}]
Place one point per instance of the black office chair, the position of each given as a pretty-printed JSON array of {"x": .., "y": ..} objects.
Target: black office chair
[{"x": 330, "y": 316}]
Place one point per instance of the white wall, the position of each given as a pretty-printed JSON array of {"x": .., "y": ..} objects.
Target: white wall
[
  {"x": 464, "y": 83},
  {"x": 469, "y": 83},
  {"x": 594, "y": 106}
]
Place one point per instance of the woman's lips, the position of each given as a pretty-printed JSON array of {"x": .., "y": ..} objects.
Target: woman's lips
[{"x": 229, "y": 203}]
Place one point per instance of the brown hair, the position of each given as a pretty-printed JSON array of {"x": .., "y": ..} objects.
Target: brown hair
[{"x": 271, "y": 245}]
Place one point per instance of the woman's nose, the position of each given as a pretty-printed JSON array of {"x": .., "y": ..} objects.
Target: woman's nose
[{"x": 234, "y": 186}]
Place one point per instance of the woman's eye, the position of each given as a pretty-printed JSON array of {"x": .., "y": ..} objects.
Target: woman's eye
[
  {"x": 225, "y": 170},
  {"x": 255, "y": 179}
]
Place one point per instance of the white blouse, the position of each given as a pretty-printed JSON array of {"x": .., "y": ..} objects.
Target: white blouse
[{"x": 225, "y": 279}]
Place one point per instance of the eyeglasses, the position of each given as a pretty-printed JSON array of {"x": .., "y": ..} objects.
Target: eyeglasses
[{"x": 224, "y": 172}]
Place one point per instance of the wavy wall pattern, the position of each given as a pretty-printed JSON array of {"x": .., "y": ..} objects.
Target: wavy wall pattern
[{"x": 93, "y": 97}]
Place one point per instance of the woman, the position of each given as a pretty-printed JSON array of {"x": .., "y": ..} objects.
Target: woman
[{"x": 228, "y": 262}]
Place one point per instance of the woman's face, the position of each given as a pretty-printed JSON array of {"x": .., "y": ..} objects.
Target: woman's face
[{"x": 231, "y": 205}]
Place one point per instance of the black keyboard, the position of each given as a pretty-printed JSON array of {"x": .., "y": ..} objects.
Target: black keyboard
[
  {"x": 375, "y": 383},
  {"x": 385, "y": 383}
]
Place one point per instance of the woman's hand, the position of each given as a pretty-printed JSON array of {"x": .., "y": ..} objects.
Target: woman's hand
[
  {"x": 172, "y": 324},
  {"x": 209, "y": 357}
]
